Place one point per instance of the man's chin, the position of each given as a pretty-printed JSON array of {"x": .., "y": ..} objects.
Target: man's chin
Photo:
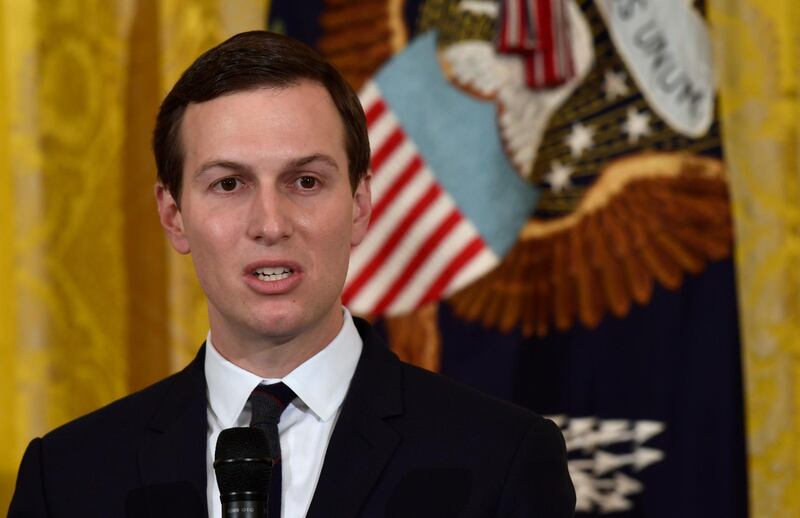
[
  {"x": 279, "y": 322},
  {"x": 279, "y": 330},
  {"x": 297, "y": 327}
]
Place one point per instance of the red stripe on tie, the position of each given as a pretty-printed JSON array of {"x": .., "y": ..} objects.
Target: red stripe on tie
[
  {"x": 395, "y": 188},
  {"x": 387, "y": 149},
  {"x": 433, "y": 192},
  {"x": 458, "y": 262},
  {"x": 375, "y": 111},
  {"x": 412, "y": 267}
]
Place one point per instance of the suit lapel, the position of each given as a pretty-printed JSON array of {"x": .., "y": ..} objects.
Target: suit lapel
[
  {"x": 362, "y": 442},
  {"x": 172, "y": 459}
]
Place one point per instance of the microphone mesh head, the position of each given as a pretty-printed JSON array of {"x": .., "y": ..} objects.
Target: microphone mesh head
[{"x": 241, "y": 461}]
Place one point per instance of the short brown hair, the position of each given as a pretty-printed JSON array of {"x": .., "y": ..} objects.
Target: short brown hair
[{"x": 247, "y": 61}]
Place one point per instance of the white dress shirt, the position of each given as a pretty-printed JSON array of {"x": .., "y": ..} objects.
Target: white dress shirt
[{"x": 305, "y": 428}]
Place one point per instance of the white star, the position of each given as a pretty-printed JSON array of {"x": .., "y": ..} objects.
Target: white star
[
  {"x": 580, "y": 139},
  {"x": 637, "y": 125},
  {"x": 614, "y": 85},
  {"x": 558, "y": 177}
]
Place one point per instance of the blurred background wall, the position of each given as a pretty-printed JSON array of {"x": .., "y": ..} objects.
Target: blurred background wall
[{"x": 95, "y": 305}]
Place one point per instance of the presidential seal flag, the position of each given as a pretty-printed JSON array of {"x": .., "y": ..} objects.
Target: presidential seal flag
[{"x": 552, "y": 226}]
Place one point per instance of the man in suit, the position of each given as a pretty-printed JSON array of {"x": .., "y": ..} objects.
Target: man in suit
[{"x": 262, "y": 155}]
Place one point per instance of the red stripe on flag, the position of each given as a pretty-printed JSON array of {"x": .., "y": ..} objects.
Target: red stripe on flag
[
  {"x": 387, "y": 149},
  {"x": 458, "y": 262},
  {"x": 546, "y": 41},
  {"x": 411, "y": 268},
  {"x": 529, "y": 63},
  {"x": 374, "y": 112},
  {"x": 395, "y": 188},
  {"x": 538, "y": 30},
  {"x": 502, "y": 38},
  {"x": 521, "y": 23},
  {"x": 530, "y": 5},
  {"x": 433, "y": 192}
]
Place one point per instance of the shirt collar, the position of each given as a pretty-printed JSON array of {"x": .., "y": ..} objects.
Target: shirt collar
[{"x": 321, "y": 382}]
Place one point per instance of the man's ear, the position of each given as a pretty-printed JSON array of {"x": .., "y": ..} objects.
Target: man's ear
[
  {"x": 362, "y": 210},
  {"x": 171, "y": 219}
]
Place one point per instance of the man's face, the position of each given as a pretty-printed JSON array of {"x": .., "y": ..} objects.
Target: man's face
[{"x": 267, "y": 211}]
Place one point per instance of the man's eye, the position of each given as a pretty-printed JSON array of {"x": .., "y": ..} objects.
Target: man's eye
[
  {"x": 228, "y": 184},
  {"x": 307, "y": 182}
]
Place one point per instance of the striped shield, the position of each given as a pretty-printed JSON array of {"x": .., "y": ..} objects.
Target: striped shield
[
  {"x": 447, "y": 203},
  {"x": 538, "y": 30}
]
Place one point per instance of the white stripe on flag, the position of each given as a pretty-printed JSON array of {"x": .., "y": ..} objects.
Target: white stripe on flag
[
  {"x": 478, "y": 266},
  {"x": 369, "y": 94},
  {"x": 395, "y": 263},
  {"x": 513, "y": 22},
  {"x": 563, "y": 47},
  {"x": 380, "y": 130},
  {"x": 391, "y": 169},
  {"x": 379, "y": 233},
  {"x": 432, "y": 268}
]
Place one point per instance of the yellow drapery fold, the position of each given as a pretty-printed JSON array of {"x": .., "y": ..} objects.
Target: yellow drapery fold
[
  {"x": 94, "y": 303},
  {"x": 758, "y": 47}
]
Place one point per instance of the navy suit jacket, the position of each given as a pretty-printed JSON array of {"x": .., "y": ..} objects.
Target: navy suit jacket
[{"x": 407, "y": 443}]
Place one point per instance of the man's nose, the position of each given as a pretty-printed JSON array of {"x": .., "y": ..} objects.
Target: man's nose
[{"x": 270, "y": 219}]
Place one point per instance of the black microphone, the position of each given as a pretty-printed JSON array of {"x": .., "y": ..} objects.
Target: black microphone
[{"x": 243, "y": 467}]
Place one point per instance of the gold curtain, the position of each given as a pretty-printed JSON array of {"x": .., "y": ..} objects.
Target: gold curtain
[
  {"x": 93, "y": 302},
  {"x": 758, "y": 47}
]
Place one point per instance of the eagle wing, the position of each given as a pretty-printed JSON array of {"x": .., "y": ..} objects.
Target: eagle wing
[{"x": 650, "y": 217}]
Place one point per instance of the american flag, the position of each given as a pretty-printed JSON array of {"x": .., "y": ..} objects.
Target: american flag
[
  {"x": 538, "y": 30},
  {"x": 420, "y": 247}
]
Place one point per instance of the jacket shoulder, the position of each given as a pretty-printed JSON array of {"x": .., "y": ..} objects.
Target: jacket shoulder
[
  {"x": 129, "y": 414},
  {"x": 97, "y": 458},
  {"x": 425, "y": 393},
  {"x": 450, "y": 436},
  {"x": 428, "y": 393}
]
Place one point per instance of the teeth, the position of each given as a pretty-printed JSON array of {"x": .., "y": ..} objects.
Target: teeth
[
  {"x": 273, "y": 274},
  {"x": 278, "y": 270}
]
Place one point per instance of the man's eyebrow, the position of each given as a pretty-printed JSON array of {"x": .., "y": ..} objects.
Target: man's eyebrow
[
  {"x": 316, "y": 157},
  {"x": 238, "y": 167},
  {"x": 225, "y": 164}
]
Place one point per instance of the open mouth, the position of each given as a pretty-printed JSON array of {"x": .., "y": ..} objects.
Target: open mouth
[{"x": 273, "y": 274}]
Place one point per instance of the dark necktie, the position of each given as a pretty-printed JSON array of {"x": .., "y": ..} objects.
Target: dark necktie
[{"x": 267, "y": 403}]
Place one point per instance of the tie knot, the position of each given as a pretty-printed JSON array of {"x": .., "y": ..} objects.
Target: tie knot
[{"x": 268, "y": 402}]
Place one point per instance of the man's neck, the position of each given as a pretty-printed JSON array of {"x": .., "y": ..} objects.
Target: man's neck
[{"x": 269, "y": 356}]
